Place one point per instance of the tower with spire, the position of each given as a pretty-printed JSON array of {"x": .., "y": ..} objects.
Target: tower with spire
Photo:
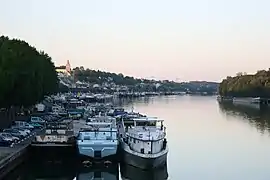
[{"x": 68, "y": 68}]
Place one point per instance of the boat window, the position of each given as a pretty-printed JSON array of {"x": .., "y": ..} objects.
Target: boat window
[
  {"x": 108, "y": 138},
  {"x": 134, "y": 140},
  {"x": 86, "y": 137}
]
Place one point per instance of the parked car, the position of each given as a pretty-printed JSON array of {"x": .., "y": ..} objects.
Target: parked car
[
  {"x": 8, "y": 136},
  {"x": 4, "y": 142},
  {"x": 14, "y": 132},
  {"x": 35, "y": 125},
  {"x": 37, "y": 120},
  {"x": 26, "y": 132}
]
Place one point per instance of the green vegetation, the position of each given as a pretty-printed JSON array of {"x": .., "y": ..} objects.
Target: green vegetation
[
  {"x": 100, "y": 77},
  {"x": 244, "y": 85},
  {"x": 26, "y": 75}
]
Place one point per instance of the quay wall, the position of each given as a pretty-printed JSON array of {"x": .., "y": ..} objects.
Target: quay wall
[
  {"x": 10, "y": 162},
  {"x": 39, "y": 154}
]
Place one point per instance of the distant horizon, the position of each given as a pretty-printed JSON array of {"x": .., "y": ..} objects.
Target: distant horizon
[{"x": 186, "y": 40}]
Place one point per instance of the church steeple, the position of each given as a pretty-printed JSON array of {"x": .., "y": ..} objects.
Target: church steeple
[{"x": 68, "y": 68}]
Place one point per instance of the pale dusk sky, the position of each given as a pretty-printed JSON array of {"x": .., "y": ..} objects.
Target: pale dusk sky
[{"x": 188, "y": 40}]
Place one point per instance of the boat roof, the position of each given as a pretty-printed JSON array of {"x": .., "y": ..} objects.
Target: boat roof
[
  {"x": 148, "y": 119},
  {"x": 98, "y": 123},
  {"x": 89, "y": 129}
]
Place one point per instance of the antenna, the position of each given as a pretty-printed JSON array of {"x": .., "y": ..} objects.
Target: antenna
[{"x": 132, "y": 108}]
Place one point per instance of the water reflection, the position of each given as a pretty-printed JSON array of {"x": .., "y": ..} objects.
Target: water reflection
[
  {"x": 33, "y": 171},
  {"x": 128, "y": 101},
  {"x": 132, "y": 173},
  {"x": 111, "y": 173},
  {"x": 69, "y": 171},
  {"x": 30, "y": 171},
  {"x": 259, "y": 118}
]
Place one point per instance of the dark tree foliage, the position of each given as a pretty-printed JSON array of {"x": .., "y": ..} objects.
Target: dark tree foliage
[
  {"x": 26, "y": 75},
  {"x": 243, "y": 85},
  {"x": 99, "y": 77}
]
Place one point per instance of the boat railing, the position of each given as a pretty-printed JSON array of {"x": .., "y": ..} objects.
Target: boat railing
[
  {"x": 96, "y": 138},
  {"x": 97, "y": 130},
  {"x": 145, "y": 136},
  {"x": 55, "y": 132},
  {"x": 155, "y": 155}
]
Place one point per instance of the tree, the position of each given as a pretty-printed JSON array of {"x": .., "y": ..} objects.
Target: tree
[
  {"x": 257, "y": 85},
  {"x": 26, "y": 75}
]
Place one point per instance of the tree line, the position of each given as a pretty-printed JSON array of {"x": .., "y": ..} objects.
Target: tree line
[
  {"x": 26, "y": 74},
  {"x": 246, "y": 85}
]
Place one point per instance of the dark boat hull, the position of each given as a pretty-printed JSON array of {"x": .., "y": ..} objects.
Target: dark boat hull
[
  {"x": 133, "y": 173},
  {"x": 144, "y": 163}
]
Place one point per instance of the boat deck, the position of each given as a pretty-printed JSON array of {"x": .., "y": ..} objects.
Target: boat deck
[{"x": 146, "y": 133}]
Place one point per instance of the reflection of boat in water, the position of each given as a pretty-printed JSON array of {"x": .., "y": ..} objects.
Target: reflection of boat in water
[
  {"x": 260, "y": 118},
  {"x": 69, "y": 171},
  {"x": 133, "y": 173},
  {"x": 245, "y": 111},
  {"x": 34, "y": 171},
  {"x": 111, "y": 173},
  {"x": 49, "y": 172}
]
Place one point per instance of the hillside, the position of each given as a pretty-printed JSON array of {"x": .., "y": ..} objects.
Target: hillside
[
  {"x": 246, "y": 85},
  {"x": 92, "y": 78}
]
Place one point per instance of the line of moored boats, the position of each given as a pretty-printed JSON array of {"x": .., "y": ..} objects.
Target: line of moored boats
[
  {"x": 106, "y": 133},
  {"x": 137, "y": 139}
]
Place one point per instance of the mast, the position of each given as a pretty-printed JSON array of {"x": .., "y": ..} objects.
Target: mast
[{"x": 132, "y": 108}]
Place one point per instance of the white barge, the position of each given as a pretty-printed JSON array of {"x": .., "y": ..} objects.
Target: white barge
[
  {"x": 98, "y": 139},
  {"x": 144, "y": 144}
]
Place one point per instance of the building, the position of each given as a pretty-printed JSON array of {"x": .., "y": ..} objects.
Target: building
[{"x": 64, "y": 69}]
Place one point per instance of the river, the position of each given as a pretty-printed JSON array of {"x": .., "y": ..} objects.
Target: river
[{"x": 207, "y": 141}]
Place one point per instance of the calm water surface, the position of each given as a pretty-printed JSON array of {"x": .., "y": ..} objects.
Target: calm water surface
[{"x": 207, "y": 141}]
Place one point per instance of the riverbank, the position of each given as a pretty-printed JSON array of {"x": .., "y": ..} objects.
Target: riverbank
[{"x": 246, "y": 101}]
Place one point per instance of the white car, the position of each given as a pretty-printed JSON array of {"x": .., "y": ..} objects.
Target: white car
[
  {"x": 9, "y": 137},
  {"x": 24, "y": 132}
]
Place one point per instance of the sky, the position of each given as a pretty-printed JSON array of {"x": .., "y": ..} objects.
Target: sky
[{"x": 173, "y": 39}]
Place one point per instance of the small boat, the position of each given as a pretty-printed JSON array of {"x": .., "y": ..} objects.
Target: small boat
[
  {"x": 116, "y": 112},
  {"x": 55, "y": 134},
  {"x": 98, "y": 139},
  {"x": 144, "y": 144}
]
